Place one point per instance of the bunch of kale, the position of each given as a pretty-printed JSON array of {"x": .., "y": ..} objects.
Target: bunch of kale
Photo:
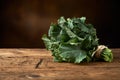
[{"x": 73, "y": 40}]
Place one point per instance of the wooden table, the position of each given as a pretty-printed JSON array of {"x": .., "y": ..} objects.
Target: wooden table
[{"x": 37, "y": 64}]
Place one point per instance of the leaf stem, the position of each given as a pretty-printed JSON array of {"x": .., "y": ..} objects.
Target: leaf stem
[{"x": 98, "y": 51}]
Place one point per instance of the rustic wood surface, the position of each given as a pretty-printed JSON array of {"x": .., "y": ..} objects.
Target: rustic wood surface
[{"x": 37, "y": 64}]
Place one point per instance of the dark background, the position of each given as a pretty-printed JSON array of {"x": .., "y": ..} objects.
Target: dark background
[{"x": 23, "y": 22}]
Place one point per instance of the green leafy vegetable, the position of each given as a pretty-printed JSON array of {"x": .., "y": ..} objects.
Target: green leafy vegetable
[{"x": 73, "y": 40}]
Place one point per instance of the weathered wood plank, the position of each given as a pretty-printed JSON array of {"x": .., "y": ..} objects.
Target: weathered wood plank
[{"x": 20, "y": 64}]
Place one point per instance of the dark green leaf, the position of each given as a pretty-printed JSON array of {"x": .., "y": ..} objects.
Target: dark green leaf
[{"x": 71, "y": 53}]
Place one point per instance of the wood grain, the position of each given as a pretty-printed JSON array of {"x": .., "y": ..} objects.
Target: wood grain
[{"x": 20, "y": 64}]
